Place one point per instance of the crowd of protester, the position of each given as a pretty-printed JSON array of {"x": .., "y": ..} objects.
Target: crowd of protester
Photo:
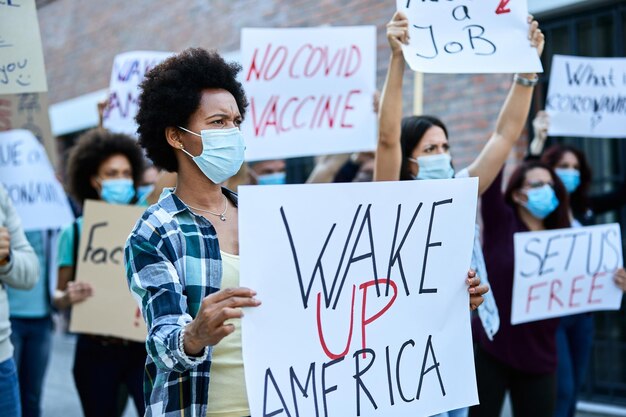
[{"x": 182, "y": 257}]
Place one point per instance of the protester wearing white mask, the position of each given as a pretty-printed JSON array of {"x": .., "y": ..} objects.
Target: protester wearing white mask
[
  {"x": 417, "y": 147},
  {"x": 183, "y": 255}
]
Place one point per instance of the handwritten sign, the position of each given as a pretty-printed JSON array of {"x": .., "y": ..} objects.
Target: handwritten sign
[
  {"x": 21, "y": 56},
  {"x": 587, "y": 97},
  {"x": 27, "y": 175},
  {"x": 111, "y": 311},
  {"x": 468, "y": 37},
  {"x": 567, "y": 271},
  {"x": 29, "y": 111},
  {"x": 311, "y": 91},
  {"x": 365, "y": 306},
  {"x": 128, "y": 72}
]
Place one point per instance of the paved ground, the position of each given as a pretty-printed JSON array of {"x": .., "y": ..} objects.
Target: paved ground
[{"x": 60, "y": 397}]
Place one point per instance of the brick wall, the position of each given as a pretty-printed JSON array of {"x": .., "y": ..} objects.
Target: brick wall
[{"x": 469, "y": 106}]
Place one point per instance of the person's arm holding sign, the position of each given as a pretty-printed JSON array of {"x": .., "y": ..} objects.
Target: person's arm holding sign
[
  {"x": 390, "y": 151},
  {"x": 475, "y": 289},
  {"x": 176, "y": 341},
  {"x": 510, "y": 122},
  {"x": 620, "y": 279},
  {"x": 69, "y": 291}
]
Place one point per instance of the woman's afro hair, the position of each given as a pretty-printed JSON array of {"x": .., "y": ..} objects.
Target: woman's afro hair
[
  {"x": 93, "y": 148},
  {"x": 171, "y": 93}
]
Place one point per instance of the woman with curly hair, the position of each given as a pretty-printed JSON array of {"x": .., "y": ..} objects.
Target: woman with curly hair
[
  {"x": 182, "y": 257},
  {"x": 102, "y": 166}
]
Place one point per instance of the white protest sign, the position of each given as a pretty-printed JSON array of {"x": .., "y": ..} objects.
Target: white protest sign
[
  {"x": 311, "y": 91},
  {"x": 128, "y": 72},
  {"x": 566, "y": 271},
  {"x": 326, "y": 336},
  {"x": 111, "y": 311},
  {"x": 587, "y": 97},
  {"x": 21, "y": 56},
  {"x": 27, "y": 175},
  {"x": 469, "y": 37}
]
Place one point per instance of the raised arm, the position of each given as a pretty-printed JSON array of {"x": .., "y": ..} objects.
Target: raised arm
[
  {"x": 510, "y": 122},
  {"x": 389, "y": 151}
]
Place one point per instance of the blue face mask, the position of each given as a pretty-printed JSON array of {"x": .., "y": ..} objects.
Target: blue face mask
[
  {"x": 277, "y": 178},
  {"x": 143, "y": 191},
  {"x": 118, "y": 191},
  {"x": 434, "y": 167},
  {"x": 541, "y": 201},
  {"x": 570, "y": 178},
  {"x": 222, "y": 153}
]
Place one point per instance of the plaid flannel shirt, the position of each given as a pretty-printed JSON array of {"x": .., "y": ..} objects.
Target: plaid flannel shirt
[{"x": 172, "y": 262}]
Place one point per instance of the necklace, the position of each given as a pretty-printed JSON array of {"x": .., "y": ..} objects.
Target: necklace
[{"x": 220, "y": 215}]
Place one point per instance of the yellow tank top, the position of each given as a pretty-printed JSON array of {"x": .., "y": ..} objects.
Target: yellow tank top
[{"x": 227, "y": 387}]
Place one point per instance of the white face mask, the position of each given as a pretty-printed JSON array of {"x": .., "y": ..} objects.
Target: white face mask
[
  {"x": 434, "y": 167},
  {"x": 222, "y": 153}
]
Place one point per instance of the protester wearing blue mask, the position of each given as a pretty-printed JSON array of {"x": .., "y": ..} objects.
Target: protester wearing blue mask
[
  {"x": 541, "y": 200},
  {"x": 574, "y": 336},
  {"x": 434, "y": 167},
  {"x": 520, "y": 358},
  {"x": 102, "y": 166},
  {"x": 117, "y": 190},
  {"x": 270, "y": 172},
  {"x": 183, "y": 254},
  {"x": 570, "y": 177},
  {"x": 191, "y": 107}
]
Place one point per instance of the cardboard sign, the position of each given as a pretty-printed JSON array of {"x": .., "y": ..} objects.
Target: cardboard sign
[
  {"x": 111, "y": 311},
  {"x": 29, "y": 111},
  {"x": 128, "y": 72},
  {"x": 469, "y": 37},
  {"x": 311, "y": 91},
  {"x": 364, "y": 301},
  {"x": 21, "y": 56},
  {"x": 587, "y": 97},
  {"x": 566, "y": 271},
  {"x": 27, "y": 175}
]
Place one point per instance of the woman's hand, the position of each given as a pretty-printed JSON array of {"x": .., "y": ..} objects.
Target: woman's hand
[
  {"x": 398, "y": 32},
  {"x": 537, "y": 39},
  {"x": 475, "y": 289},
  {"x": 208, "y": 328},
  {"x": 620, "y": 279},
  {"x": 541, "y": 124},
  {"x": 77, "y": 292}
]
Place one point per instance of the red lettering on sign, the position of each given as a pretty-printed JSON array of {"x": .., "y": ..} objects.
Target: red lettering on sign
[
  {"x": 502, "y": 7},
  {"x": 364, "y": 321},
  {"x": 574, "y": 290},
  {"x": 320, "y": 333},
  {"x": 590, "y": 300}
]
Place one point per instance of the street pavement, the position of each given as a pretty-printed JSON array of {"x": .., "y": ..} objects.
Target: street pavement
[{"x": 60, "y": 398}]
